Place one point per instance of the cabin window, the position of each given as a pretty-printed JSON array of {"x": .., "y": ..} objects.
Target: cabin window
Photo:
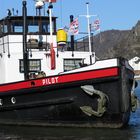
[
  {"x": 70, "y": 64},
  {"x": 45, "y": 27},
  {"x": 5, "y": 29},
  {"x": 34, "y": 65},
  {"x": 49, "y": 28},
  {"x": 33, "y": 28},
  {"x": 16, "y": 27},
  {"x": 1, "y": 29}
]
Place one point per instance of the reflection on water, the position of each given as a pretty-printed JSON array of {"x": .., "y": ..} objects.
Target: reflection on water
[
  {"x": 28, "y": 133},
  {"x": 32, "y": 133},
  {"x": 132, "y": 132}
]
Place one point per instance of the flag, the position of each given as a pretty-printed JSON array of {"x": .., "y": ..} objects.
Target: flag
[
  {"x": 96, "y": 25},
  {"x": 74, "y": 27},
  {"x": 50, "y": 0}
]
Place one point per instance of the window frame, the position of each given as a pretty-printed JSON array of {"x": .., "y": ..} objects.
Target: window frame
[
  {"x": 74, "y": 64},
  {"x": 21, "y": 68}
]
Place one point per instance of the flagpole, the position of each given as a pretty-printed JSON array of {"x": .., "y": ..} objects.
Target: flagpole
[
  {"x": 52, "y": 52},
  {"x": 88, "y": 16},
  {"x": 88, "y": 22}
]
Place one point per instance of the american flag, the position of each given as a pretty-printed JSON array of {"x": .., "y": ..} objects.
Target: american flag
[
  {"x": 74, "y": 27},
  {"x": 96, "y": 25}
]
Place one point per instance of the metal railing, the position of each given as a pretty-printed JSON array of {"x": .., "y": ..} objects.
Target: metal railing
[{"x": 80, "y": 44}]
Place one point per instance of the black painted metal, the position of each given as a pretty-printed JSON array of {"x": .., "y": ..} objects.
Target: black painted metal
[
  {"x": 59, "y": 105},
  {"x": 72, "y": 36},
  {"x": 25, "y": 50}
]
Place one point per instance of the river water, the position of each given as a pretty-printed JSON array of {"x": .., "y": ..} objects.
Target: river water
[{"x": 132, "y": 132}]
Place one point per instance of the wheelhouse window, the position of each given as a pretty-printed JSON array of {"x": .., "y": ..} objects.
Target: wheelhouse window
[
  {"x": 5, "y": 29},
  {"x": 70, "y": 64},
  {"x": 45, "y": 27},
  {"x": 16, "y": 26},
  {"x": 35, "y": 25},
  {"x": 1, "y": 29},
  {"x": 33, "y": 28},
  {"x": 34, "y": 65}
]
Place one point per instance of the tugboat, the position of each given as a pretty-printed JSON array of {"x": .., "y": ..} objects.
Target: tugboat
[{"x": 43, "y": 85}]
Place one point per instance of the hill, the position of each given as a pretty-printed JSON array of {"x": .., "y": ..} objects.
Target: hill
[{"x": 116, "y": 43}]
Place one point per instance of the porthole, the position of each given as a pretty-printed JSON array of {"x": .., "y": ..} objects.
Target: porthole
[
  {"x": 13, "y": 100},
  {"x": 1, "y": 102}
]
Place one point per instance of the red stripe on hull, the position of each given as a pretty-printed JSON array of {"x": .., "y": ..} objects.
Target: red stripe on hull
[
  {"x": 90, "y": 75},
  {"x": 61, "y": 79}
]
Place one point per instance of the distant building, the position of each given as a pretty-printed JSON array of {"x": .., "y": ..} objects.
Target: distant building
[{"x": 135, "y": 63}]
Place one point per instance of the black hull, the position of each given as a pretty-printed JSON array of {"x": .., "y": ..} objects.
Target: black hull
[{"x": 60, "y": 104}]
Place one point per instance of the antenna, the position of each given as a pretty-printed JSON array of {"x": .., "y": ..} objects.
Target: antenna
[
  {"x": 13, "y": 11},
  {"x": 88, "y": 16},
  {"x": 17, "y": 12},
  {"x": 9, "y": 12}
]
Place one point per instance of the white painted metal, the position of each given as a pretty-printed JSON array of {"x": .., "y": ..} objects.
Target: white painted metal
[
  {"x": 9, "y": 67},
  {"x": 98, "y": 65}
]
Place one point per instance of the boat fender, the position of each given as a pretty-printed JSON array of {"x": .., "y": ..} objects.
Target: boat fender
[{"x": 61, "y": 37}]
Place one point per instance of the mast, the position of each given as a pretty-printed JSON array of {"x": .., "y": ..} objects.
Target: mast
[
  {"x": 88, "y": 16},
  {"x": 25, "y": 51},
  {"x": 50, "y": 19},
  {"x": 52, "y": 52}
]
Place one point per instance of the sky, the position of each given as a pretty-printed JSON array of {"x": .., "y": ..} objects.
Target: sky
[{"x": 113, "y": 14}]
